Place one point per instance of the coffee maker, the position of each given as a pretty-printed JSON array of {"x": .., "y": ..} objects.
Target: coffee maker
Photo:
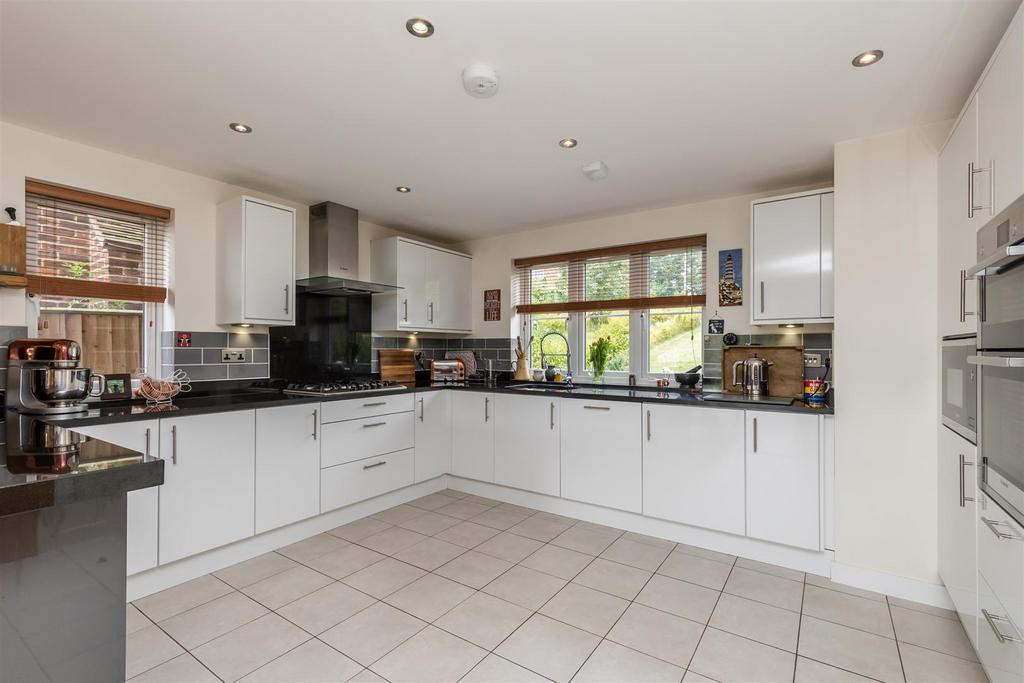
[{"x": 43, "y": 377}]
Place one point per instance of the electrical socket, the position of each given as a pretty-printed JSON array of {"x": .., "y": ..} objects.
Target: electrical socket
[
  {"x": 234, "y": 355},
  {"x": 812, "y": 360}
]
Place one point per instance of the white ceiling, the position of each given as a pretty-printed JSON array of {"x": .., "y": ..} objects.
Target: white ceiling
[{"x": 683, "y": 101}]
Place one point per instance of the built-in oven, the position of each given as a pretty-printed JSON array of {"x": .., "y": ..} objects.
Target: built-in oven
[
  {"x": 1001, "y": 427},
  {"x": 1000, "y": 276},
  {"x": 960, "y": 386}
]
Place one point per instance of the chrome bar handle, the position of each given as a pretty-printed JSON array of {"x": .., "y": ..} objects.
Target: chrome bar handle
[
  {"x": 376, "y": 464},
  {"x": 430, "y": 306},
  {"x": 1001, "y": 535},
  {"x": 648, "y": 425},
  {"x": 315, "y": 415},
  {"x": 552, "y": 415},
  {"x": 374, "y": 424},
  {"x": 971, "y": 172},
  {"x": 405, "y": 313},
  {"x": 964, "y": 499},
  {"x": 762, "y": 296},
  {"x": 596, "y": 408},
  {"x": 375, "y": 404},
  {"x": 174, "y": 444},
  {"x": 421, "y": 409},
  {"x": 148, "y": 431},
  {"x": 755, "y": 435},
  {"x": 287, "y": 298},
  {"x": 487, "y": 408},
  {"x": 1002, "y": 637}
]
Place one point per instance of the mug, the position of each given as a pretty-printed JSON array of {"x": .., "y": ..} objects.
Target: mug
[
  {"x": 815, "y": 391},
  {"x": 538, "y": 375}
]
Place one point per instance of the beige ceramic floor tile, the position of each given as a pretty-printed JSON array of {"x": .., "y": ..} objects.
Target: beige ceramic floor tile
[
  {"x": 509, "y": 547},
  {"x": 705, "y": 553},
  {"x": 134, "y": 619},
  {"x": 311, "y": 662},
  {"x": 474, "y": 569},
  {"x": 613, "y": 663},
  {"x": 432, "y": 501},
  {"x": 919, "y": 607},
  {"x": 694, "y": 677},
  {"x": 517, "y": 508},
  {"x": 430, "y": 656},
  {"x": 587, "y": 539},
  {"x": 848, "y": 610},
  {"x": 314, "y": 546},
  {"x": 698, "y": 570},
  {"x": 147, "y": 648},
  {"x": 679, "y": 597},
  {"x": 429, "y": 523},
  {"x": 288, "y": 586},
  {"x": 398, "y": 514},
  {"x": 501, "y": 518},
  {"x": 183, "y": 668},
  {"x": 549, "y": 647},
  {"x": 542, "y": 527},
  {"x": 484, "y": 620},
  {"x": 246, "y": 649},
  {"x": 429, "y": 597},
  {"x": 811, "y": 671},
  {"x": 495, "y": 669},
  {"x": 390, "y": 541},
  {"x": 848, "y": 648},
  {"x": 773, "y": 569},
  {"x": 182, "y": 597},
  {"x": 725, "y": 657},
  {"x": 636, "y": 554},
  {"x": 823, "y": 582},
  {"x": 612, "y": 577},
  {"x": 765, "y": 588},
  {"x": 525, "y": 587},
  {"x": 366, "y": 676},
  {"x": 467, "y": 534},
  {"x": 463, "y": 509},
  {"x": 649, "y": 540},
  {"x": 585, "y": 608},
  {"x": 757, "y": 621},
  {"x": 935, "y": 633},
  {"x": 560, "y": 562},
  {"x": 258, "y": 568},
  {"x": 658, "y": 634},
  {"x": 340, "y": 563},
  {"x": 489, "y": 502},
  {"x": 322, "y": 609},
  {"x": 369, "y": 635},
  {"x": 215, "y": 618},
  {"x": 927, "y": 666},
  {"x": 453, "y": 493},
  {"x": 384, "y": 578},
  {"x": 359, "y": 529},
  {"x": 430, "y": 554}
]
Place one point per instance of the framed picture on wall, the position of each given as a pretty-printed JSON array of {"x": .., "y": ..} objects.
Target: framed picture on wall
[
  {"x": 492, "y": 304},
  {"x": 730, "y": 277}
]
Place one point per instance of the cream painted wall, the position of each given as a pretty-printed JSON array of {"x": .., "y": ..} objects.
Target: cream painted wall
[{"x": 886, "y": 261}]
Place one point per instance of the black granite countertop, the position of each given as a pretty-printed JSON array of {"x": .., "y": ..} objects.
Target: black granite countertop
[{"x": 35, "y": 475}]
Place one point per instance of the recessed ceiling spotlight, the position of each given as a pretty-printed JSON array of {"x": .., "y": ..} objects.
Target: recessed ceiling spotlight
[
  {"x": 867, "y": 58},
  {"x": 568, "y": 143},
  {"x": 403, "y": 189},
  {"x": 240, "y": 127},
  {"x": 421, "y": 28}
]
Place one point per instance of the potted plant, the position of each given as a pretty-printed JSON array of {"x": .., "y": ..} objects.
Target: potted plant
[{"x": 600, "y": 351}]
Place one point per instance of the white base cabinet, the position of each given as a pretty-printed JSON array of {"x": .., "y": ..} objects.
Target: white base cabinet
[
  {"x": 207, "y": 499},
  {"x": 433, "y": 434},
  {"x": 362, "y": 479},
  {"x": 473, "y": 435},
  {"x": 526, "y": 443},
  {"x": 693, "y": 466},
  {"x": 287, "y": 465},
  {"x": 957, "y": 540},
  {"x": 783, "y": 478},
  {"x": 601, "y": 453}
]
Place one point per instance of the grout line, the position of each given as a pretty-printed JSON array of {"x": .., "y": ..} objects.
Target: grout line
[
  {"x": 899, "y": 651},
  {"x": 799, "y": 627}
]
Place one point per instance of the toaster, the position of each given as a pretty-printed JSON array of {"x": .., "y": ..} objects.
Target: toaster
[{"x": 447, "y": 371}]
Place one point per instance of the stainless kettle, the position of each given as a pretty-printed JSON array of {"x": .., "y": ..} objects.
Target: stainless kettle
[{"x": 755, "y": 375}]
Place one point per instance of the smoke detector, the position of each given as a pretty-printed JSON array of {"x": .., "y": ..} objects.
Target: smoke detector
[
  {"x": 480, "y": 80},
  {"x": 595, "y": 170}
]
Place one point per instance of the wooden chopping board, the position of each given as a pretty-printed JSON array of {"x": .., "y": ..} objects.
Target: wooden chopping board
[
  {"x": 785, "y": 378},
  {"x": 398, "y": 365}
]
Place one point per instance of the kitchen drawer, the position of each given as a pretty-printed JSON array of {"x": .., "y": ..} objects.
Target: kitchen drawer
[
  {"x": 999, "y": 646},
  {"x": 355, "y": 481},
  {"x": 1001, "y": 556},
  {"x": 365, "y": 406},
  {"x": 356, "y": 439}
]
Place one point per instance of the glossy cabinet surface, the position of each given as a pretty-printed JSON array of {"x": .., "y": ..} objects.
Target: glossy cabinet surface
[
  {"x": 1001, "y": 122},
  {"x": 602, "y": 453},
  {"x": 473, "y": 435},
  {"x": 526, "y": 443},
  {"x": 287, "y": 474},
  {"x": 958, "y": 557},
  {"x": 432, "y": 425}
]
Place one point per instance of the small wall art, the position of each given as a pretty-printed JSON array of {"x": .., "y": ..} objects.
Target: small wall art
[
  {"x": 492, "y": 305},
  {"x": 730, "y": 277}
]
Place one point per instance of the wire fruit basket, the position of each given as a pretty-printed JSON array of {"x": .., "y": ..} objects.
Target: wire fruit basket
[{"x": 162, "y": 391}]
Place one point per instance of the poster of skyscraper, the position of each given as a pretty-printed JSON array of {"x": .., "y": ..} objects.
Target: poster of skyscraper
[{"x": 730, "y": 277}]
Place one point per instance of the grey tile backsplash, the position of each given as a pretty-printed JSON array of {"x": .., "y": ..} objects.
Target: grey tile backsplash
[
  {"x": 202, "y": 361},
  {"x": 497, "y": 349},
  {"x": 820, "y": 343}
]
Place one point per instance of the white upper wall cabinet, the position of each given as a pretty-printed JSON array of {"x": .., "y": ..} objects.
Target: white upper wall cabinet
[
  {"x": 791, "y": 245},
  {"x": 255, "y": 263},
  {"x": 1001, "y": 122},
  {"x": 436, "y": 287}
]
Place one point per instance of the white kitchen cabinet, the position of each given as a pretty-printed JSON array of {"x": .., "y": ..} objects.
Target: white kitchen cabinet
[
  {"x": 526, "y": 443},
  {"x": 783, "y": 478},
  {"x": 473, "y": 435},
  {"x": 370, "y": 405},
  {"x": 435, "y": 287},
  {"x": 363, "y": 479},
  {"x": 601, "y": 453},
  {"x": 790, "y": 268},
  {"x": 433, "y": 434},
  {"x": 207, "y": 499},
  {"x": 828, "y": 213},
  {"x": 1000, "y": 592},
  {"x": 287, "y": 470},
  {"x": 143, "y": 504},
  {"x": 255, "y": 262},
  {"x": 957, "y": 541},
  {"x": 1000, "y": 645},
  {"x": 356, "y": 439},
  {"x": 693, "y": 466}
]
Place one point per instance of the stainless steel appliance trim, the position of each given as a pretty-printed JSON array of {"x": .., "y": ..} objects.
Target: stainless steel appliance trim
[
  {"x": 964, "y": 499},
  {"x": 374, "y": 424},
  {"x": 954, "y": 426},
  {"x": 1001, "y": 535},
  {"x": 997, "y": 361},
  {"x": 376, "y": 464},
  {"x": 1002, "y": 637},
  {"x": 174, "y": 444},
  {"x": 1003, "y": 256}
]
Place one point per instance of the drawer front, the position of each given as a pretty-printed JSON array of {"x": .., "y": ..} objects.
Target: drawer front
[
  {"x": 355, "y": 481},
  {"x": 357, "y": 439},
  {"x": 365, "y": 406},
  {"x": 1001, "y": 557},
  {"x": 999, "y": 646}
]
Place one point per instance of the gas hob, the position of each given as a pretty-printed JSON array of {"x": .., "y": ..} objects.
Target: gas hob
[{"x": 338, "y": 388}]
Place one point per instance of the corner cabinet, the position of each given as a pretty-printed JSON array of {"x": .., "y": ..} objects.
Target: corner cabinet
[
  {"x": 255, "y": 263},
  {"x": 791, "y": 258},
  {"x": 433, "y": 434},
  {"x": 436, "y": 287}
]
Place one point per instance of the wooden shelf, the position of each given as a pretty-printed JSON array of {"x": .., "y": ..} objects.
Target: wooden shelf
[{"x": 17, "y": 281}]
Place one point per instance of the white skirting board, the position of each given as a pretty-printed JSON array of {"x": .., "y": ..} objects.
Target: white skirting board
[{"x": 934, "y": 594}]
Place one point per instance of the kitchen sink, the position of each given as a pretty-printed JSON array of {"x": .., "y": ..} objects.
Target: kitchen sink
[
  {"x": 757, "y": 400},
  {"x": 540, "y": 387}
]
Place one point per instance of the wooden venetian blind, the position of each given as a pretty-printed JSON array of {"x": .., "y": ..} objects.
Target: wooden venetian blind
[
  {"x": 81, "y": 244},
  {"x": 661, "y": 274}
]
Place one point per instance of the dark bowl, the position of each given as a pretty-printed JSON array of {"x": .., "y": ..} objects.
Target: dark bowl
[{"x": 687, "y": 379}]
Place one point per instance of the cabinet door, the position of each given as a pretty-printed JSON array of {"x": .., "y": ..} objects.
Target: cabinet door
[
  {"x": 269, "y": 264},
  {"x": 473, "y": 435},
  {"x": 783, "y": 478},
  {"x": 693, "y": 466},
  {"x": 957, "y": 229},
  {"x": 958, "y": 555},
  {"x": 412, "y": 278},
  {"x": 1001, "y": 122},
  {"x": 451, "y": 276},
  {"x": 207, "y": 498},
  {"x": 433, "y": 429},
  {"x": 601, "y": 453},
  {"x": 526, "y": 443},
  {"x": 828, "y": 202},
  {"x": 287, "y": 465},
  {"x": 787, "y": 259}
]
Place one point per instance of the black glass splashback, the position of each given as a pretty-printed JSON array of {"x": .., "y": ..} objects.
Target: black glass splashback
[{"x": 330, "y": 339}]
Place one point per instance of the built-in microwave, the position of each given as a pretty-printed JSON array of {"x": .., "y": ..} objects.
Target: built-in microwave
[
  {"x": 1000, "y": 276},
  {"x": 960, "y": 386}
]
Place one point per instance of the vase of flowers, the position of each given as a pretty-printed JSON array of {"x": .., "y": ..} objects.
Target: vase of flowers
[{"x": 600, "y": 351}]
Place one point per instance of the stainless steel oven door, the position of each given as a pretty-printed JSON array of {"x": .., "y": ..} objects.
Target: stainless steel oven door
[
  {"x": 959, "y": 386},
  {"x": 1001, "y": 428},
  {"x": 1001, "y": 301}
]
